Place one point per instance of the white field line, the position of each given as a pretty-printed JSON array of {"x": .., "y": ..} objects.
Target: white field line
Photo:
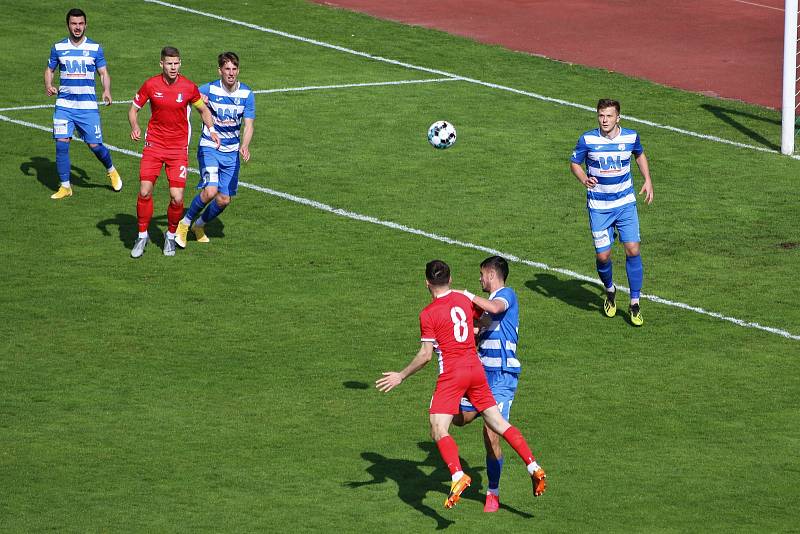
[
  {"x": 466, "y": 79},
  {"x": 407, "y": 229},
  {"x": 280, "y": 90}
]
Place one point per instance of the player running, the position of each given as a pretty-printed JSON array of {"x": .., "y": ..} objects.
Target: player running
[
  {"x": 77, "y": 59},
  {"x": 497, "y": 347},
  {"x": 233, "y": 107},
  {"x": 166, "y": 143},
  {"x": 611, "y": 201},
  {"x": 445, "y": 327}
]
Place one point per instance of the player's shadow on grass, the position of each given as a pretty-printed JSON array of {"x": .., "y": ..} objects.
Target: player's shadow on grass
[
  {"x": 413, "y": 483},
  {"x": 578, "y": 293},
  {"x": 729, "y": 117},
  {"x": 128, "y": 228},
  {"x": 47, "y": 174}
]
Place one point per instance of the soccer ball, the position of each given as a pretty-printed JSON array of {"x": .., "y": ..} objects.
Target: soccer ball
[{"x": 442, "y": 134}]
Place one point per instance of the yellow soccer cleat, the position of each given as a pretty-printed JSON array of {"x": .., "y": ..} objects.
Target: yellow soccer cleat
[
  {"x": 610, "y": 304},
  {"x": 456, "y": 489},
  {"x": 636, "y": 315},
  {"x": 63, "y": 192},
  {"x": 180, "y": 234},
  {"x": 115, "y": 179},
  {"x": 200, "y": 234}
]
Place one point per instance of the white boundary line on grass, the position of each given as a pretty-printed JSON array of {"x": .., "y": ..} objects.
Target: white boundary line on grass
[
  {"x": 280, "y": 90},
  {"x": 465, "y": 244},
  {"x": 463, "y": 78}
]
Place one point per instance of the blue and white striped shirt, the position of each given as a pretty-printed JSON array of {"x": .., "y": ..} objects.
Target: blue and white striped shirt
[
  {"x": 228, "y": 110},
  {"x": 497, "y": 343},
  {"x": 77, "y": 65},
  {"x": 608, "y": 160}
]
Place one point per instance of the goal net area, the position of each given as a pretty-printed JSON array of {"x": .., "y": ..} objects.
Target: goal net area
[{"x": 790, "y": 79}]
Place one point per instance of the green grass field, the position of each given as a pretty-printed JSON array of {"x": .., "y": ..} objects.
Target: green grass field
[{"x": 230, "y": 388}]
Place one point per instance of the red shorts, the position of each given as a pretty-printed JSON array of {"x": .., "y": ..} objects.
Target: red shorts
[
  {"x": 175, "y": 161},
  {"x": 470, "y": 382}
]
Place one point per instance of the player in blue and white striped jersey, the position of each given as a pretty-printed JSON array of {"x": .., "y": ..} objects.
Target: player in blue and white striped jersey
[
  {"x": 611, "y": 200},
  {"x": 498, "y": 335},
  {"x": 77, "y": 59},
  {"x": 233, "y": 107}
]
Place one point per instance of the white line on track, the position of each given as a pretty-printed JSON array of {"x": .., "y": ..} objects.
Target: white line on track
[
  {"x": 407, "y": 229},
  {"x": 537, "y": 96},
  {"x": 759, "y": 5},
  {"x": 281, "y": 90}
]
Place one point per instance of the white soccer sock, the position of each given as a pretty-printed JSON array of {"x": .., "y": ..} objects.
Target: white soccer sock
[
  {"x": 533, "y": 467},
  {"x": 66, "y": 184},
  {"x": 186, "y": 220},
  {"x": 495, "y": 492},
  {"x": 200, "y": 222},
  {"x": 143, "y": 235},
  {"x": 170, "y": 235},
  {"x": 457, "y": 475}
]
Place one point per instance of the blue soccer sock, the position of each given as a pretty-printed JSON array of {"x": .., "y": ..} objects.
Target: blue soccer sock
[
  {"x": 195, "y": 208},
  {"x": 635, "y": 270},
  {"x": 62, "y": 162},
  {"x": 605, "y": 272},
  {"x": 102, "y": 153},
  {"x": 212, "y": 211},
  {"x": 494, "y": 467}
]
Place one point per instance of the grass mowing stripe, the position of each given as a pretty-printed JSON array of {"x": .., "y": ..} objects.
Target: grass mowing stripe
[
  {"x": 465, "y": 244},
  {"x": 281, "y": 90},
  {"x": 537, "y": 96}
]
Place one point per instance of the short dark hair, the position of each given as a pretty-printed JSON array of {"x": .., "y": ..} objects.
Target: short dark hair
[
  {"x": 75, "y": 12},
  {"x": 604, "y": 103},
  {"x": 437, "y": 273},
  {"x": 226, "y": 57},
  {"x": 497, "y": 264},
  {"x": 170, "y": 51}
]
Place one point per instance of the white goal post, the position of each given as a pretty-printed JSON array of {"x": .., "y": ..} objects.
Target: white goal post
[{"x": 789, "y": 102}]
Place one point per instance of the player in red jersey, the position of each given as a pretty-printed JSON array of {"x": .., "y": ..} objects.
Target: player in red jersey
[
  {"x": 166, "y": 142},
  {"x": 446, "y": 326}
]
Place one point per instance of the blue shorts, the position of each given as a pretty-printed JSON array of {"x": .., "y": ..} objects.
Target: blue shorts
[
  {"x": 624, "y": 220},
  {"x": 218, "y": 169},
  {"x": 503, "y": 386},
  {"x": 65, "y": 122}
]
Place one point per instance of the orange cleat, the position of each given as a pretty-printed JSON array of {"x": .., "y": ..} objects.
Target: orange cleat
[
  {"x": 456, "y": 489},
  {"x": 539, "y": 480}
]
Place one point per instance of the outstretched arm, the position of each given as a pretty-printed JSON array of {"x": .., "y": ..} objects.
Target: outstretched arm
[{"x": 391, "y": 379}]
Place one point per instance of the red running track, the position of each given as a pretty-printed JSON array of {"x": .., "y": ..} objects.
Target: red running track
[{"x": 725, "y": 48}]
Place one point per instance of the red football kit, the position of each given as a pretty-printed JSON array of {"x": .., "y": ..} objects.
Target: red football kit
[
  {"x": 169, "y": 131},
  {"x": 447, "y": 322}
]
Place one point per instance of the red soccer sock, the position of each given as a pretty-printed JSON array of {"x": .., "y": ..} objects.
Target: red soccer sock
[
  {"x": 514, "y": 438},
  {"x": 449, "y": 451},
  {"x": 174, "y": 215},
  {"x": 144, "y": 212}
]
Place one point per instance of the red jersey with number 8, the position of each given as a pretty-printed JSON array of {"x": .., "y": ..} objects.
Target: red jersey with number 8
[
  {"x": 447, "y": 323},
  {"x": 169, "y": 125}
]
